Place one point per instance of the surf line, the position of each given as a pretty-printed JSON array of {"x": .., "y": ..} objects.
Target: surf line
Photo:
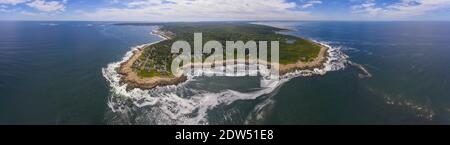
[{"x": 187, "y": 135}]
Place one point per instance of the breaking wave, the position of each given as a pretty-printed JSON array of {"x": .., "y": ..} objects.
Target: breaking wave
[{"x": 184, "y": 104}]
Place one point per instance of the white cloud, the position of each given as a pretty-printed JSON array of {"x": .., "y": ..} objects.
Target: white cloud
[
  {"x": 4, "y": 10},
  {"x": 311, "y": 3},
  {"x": 402, "y": 9},
  {"x": 368, "y": 7},
  {"x": 12, "y": 2},
  {"x": 28, "y": 13},
  {"x": 48, "y": 6},
  {"x": 189, "y": 10}
]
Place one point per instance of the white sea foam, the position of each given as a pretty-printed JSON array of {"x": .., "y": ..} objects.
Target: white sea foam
[{"x": 181, "y": 104}]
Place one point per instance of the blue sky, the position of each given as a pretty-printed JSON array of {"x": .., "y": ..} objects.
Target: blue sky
[{"x": 203, "y": 10}]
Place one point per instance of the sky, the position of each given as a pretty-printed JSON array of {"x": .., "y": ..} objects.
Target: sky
[{"x": 224, "y": 10}]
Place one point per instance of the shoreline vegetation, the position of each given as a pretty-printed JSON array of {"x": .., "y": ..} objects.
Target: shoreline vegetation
[{"x": 148, "y": 67}]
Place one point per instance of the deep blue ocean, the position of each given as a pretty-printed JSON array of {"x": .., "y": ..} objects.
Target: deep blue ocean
[
  {"x": 410, "y": 83},
  {"x": 51, "y": 73}
]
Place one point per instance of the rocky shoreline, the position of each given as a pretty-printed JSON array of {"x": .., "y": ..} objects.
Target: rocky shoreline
[
  {"x": 318, "y": 62},
  {"x": 132, "y": 79}
]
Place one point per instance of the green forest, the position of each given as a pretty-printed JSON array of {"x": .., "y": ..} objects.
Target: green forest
[{"x": 157, "y": 58}]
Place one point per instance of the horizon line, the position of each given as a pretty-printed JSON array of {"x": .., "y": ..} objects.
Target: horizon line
[{"x": 12, "y": 20}]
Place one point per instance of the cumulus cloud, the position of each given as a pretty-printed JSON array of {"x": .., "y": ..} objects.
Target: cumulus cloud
[
  {"x": 189, "y": 10},
  {"x": 367, "y": 7},
  {"x": 48, "y": 6},
  {"x": 12, "y": 2},
  {"x": 401, "y": 9},
  {"x": 4, "y": 9},
  {"x": 311, "y": 3}
]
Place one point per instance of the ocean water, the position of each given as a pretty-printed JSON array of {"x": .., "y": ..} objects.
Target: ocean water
[
  {"x": 50, "y": 72},
  {"x": 64, "y": 73},
  {"x": 409, "y": 65}
]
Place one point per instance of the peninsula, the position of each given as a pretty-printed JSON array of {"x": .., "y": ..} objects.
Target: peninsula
[{"x": 150, "y": 65}]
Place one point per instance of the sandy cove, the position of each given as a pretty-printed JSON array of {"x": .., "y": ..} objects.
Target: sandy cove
[{"x": 132, "y": 80}]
